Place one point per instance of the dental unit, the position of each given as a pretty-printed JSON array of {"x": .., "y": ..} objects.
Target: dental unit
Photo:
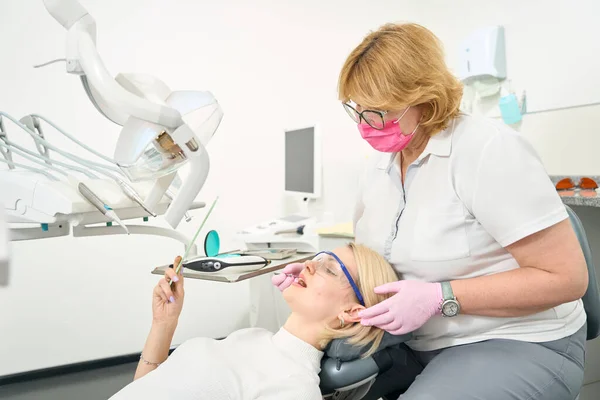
[
  {"x": 161, "y": 130},
  {"x": 32, "y": 122}
]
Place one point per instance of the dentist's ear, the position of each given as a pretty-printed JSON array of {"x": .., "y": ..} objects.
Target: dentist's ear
[{"x": 351, "y": 315}]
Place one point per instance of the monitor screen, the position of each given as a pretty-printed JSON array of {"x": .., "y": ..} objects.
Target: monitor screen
[{"x": 300, "y": 160}]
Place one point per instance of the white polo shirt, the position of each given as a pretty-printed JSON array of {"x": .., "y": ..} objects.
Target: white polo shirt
[{"x": 478, "y": 187}]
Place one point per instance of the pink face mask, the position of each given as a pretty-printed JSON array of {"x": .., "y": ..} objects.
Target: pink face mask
[{"x": 390, "y": 139}]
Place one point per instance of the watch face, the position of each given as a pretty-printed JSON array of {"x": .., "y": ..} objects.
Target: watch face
[{"x": 450, "y": 308}]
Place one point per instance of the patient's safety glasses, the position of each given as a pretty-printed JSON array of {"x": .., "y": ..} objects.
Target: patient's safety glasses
[{"x": 328, "y": 265}]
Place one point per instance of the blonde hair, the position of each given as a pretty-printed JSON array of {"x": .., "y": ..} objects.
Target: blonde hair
[
  {"x": 373, "y": 270},
  {"x": 402, "y": 65}
]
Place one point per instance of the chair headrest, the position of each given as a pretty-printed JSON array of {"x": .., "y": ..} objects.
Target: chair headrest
[{"x": 341, "y": 350}]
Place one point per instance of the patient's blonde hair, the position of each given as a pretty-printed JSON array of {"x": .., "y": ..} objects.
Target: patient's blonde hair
[
  {"x": 402, "y": 65},
  {"x": 373, "y": 271}
]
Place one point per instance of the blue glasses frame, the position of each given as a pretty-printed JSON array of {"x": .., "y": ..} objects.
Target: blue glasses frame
[{"x": 347, "y": 273}]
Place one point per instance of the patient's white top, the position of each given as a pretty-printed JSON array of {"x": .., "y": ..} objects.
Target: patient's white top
[
  {"x": 478, "y": 187},
  {"x": 249, "y": 364}
]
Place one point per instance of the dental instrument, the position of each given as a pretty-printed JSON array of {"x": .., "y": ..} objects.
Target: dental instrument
[
  {"x": 216, "y": 264},
  {"x": 35, "y": 158},
  {"x": 32, "y": 157},
  {"x": 191, "y": 244},
  {"x": 100, "y": 205},
  {"x": 281, "y": 273},
  {"x": 298, "y": 230},
  {"x": 133, "y": 195},
  {"x": 161, "y": 129},
  {"x": 271, "y": 254},
  {"x": 32, "y": 122},
  {"x": 29, "y": 124}
]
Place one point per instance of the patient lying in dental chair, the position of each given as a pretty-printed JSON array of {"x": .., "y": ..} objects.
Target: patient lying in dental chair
[{"x": 255, "y": 363}]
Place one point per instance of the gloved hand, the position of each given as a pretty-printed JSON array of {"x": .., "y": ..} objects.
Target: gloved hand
[
  {"x": 287, "y": 275},
  {"x": 414, "y": 303}
]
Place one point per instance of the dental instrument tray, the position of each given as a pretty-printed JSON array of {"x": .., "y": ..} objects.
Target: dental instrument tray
[
  {"x": 218, "y": 263},
  {"x": 233, "y": 275},
  {"x": 271, "y": 253}
]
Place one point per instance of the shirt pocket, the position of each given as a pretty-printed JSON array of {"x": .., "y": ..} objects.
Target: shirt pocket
[{"x": 440, "y": 235}]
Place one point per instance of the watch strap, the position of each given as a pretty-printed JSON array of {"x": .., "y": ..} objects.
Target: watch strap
[{"x": 447, "y": 292}]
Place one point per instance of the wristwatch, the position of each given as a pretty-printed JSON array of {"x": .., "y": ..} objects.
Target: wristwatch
[{"x": 450, "y": 306}]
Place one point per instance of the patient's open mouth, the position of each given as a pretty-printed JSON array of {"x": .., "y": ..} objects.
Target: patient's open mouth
[{"x": 300, "y": 282}]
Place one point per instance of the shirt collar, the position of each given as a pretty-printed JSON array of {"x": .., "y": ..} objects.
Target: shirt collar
[
  {"x": 298, "y": 350},
  {"x": 439, "y": 145}
]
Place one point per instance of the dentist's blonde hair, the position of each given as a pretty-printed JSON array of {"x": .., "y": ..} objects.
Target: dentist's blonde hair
[
  {"x": 402, "y": 65},
  {"x": 373, "y": 271}
]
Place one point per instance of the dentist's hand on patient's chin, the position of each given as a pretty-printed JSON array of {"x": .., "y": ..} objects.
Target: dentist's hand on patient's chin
[
  {"x": 167, "y": 300},
  {"x": 412, "y": 305},
  {"x": 287, "y": 275}
]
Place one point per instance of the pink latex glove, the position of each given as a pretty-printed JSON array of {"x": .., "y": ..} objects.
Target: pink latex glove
[
  {"x": 287, "y": 275},
  {"x": 414, "y": 303}
]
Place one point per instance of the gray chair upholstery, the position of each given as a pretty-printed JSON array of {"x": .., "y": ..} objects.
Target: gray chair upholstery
[
  {"x": 591, "y": 299},
  {"x": 343, "y": 371}
]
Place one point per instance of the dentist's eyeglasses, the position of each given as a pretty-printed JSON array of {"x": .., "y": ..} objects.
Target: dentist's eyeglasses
[
  {"x": 328, "y": 265},
  {"x": 372, "y": 117}
]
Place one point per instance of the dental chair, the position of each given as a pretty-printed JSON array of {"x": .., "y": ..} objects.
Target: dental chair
[{"x": 344, "y": 375}]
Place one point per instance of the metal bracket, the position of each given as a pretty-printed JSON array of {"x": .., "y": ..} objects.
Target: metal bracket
[
  {"x": 45, "y": 231},
  {"x": 86, "y": 231}
]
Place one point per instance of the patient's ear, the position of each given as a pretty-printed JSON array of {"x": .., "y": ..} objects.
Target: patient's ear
[{"x": 351, "y": 315}]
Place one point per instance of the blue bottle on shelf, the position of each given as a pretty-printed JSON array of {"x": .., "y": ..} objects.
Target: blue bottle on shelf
[{"x": 509, "y": 108}]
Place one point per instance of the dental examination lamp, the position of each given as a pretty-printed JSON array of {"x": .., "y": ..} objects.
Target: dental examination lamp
[{"x": 161, "y": 129}]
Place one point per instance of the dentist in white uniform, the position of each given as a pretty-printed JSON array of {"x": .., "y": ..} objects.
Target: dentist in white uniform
[{"x": 491, "y": 271}]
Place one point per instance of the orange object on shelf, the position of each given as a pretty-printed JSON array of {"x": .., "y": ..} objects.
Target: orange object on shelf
[{"x": 584, "y": 184}]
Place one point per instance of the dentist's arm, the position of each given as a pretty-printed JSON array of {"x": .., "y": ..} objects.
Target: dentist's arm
[
  {"x": 167, "y": 302},
  {"x": 552, "y": 272},
  {"x": 510, "y": 194}
]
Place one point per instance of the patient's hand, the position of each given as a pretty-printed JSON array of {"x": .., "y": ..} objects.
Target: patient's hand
[{"x": 167, "y": 300}]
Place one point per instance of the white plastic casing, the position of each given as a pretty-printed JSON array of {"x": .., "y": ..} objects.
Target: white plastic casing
[{"x": 483, "y": 54}]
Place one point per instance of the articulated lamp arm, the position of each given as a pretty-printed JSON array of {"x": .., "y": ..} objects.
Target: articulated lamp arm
[
  {"x": 156, "y": 138},
  {"x": 83, "y": 59}
]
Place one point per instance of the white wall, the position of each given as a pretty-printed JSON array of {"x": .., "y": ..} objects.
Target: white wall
[
  {"x": 553, "y": 54},
  {"x": 551, "y": 46},
  {"x": 272, "y": 64}
]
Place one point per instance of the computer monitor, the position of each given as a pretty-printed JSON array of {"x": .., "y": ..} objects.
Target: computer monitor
[{"x": 303, "y": 162}]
